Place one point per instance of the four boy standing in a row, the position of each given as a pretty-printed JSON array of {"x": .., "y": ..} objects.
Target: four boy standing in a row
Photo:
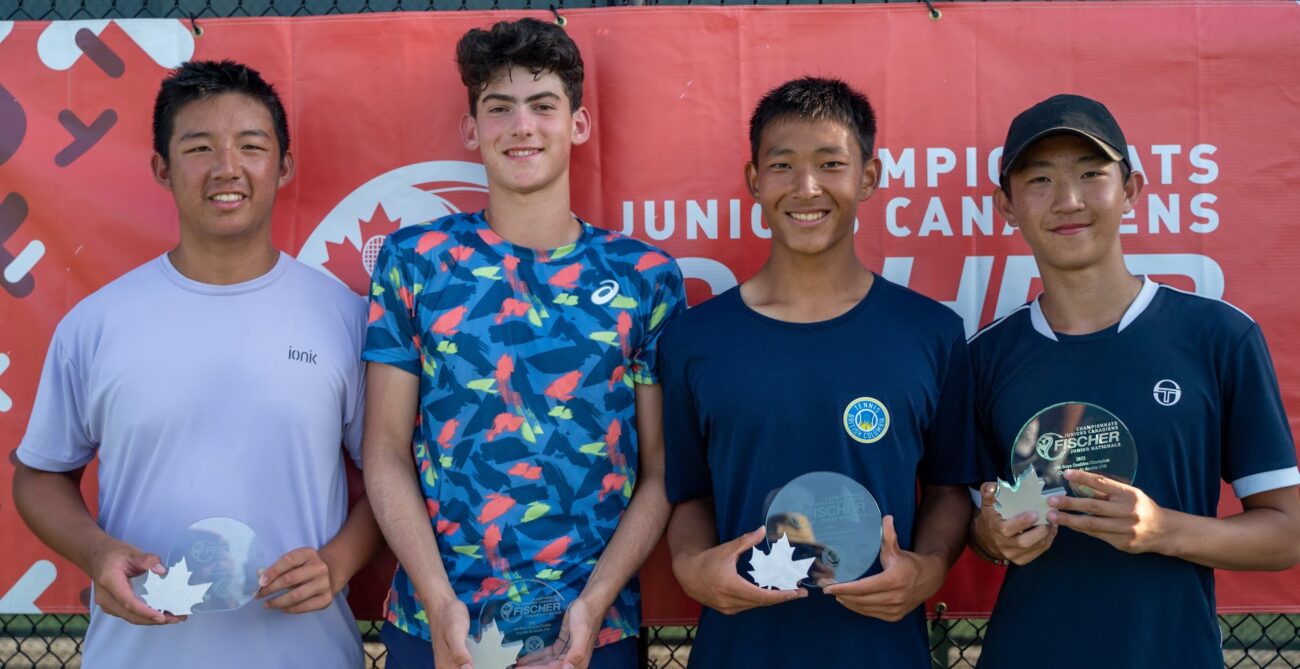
[{"x": 516, "y": 427}]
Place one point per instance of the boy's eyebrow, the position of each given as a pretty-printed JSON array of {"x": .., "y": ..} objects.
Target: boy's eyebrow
[
  {"x": 1091, "y": 158},
  {"x": 203, "y": 134},
  {"x": 829, "y": 148},
  {"x": 502, "y": 97}
]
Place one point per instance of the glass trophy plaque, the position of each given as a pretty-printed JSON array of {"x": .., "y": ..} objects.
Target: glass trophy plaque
[
  {"x": 824, "y": 517},
  {"x": 518, "y": 625},
  {"x": 212, "y": 566},
  {"x": 224, "y": 552},
  {"x": 1074, "y": 435}
]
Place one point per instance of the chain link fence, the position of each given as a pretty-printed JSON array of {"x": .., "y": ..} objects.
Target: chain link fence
[
  {"x": 54, "y": 641},
  {"x": 1250, "y": 641}
]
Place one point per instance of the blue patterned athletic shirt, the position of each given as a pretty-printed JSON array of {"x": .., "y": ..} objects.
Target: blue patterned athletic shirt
[{"x": 526, "y": 438}]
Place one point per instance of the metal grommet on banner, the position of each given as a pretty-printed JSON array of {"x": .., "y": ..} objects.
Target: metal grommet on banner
[
  {"x": 940, "y": 608},
  {"x": 935, "y": 14},
  {"x": 559, "y": 20},
  {"x": 194, "y": 26}
]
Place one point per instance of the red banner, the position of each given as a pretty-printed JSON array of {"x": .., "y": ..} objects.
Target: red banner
[{"x": 1205, "y": 92}]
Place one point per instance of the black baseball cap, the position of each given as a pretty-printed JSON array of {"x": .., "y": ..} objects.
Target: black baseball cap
[{"x": 1064, "y": 114}]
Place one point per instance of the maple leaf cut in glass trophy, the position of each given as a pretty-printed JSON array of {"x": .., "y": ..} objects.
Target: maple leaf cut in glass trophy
[{"x": 173, "y": 593}]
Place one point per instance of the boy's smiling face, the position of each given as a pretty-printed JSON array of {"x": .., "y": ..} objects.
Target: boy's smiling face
[{"x": 809, "y": 179}]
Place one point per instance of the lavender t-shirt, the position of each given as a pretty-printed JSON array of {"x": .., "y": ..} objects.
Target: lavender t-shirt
[{"x": 202, "y": 401}]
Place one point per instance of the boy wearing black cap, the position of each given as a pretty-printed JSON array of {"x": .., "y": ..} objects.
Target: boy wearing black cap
[{"x": 1191, "y": 379}]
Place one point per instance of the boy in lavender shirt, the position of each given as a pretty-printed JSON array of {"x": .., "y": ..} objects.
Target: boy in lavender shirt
[{"x": 217, "y": 380}]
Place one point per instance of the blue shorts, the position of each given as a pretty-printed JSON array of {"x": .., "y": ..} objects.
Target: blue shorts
[{"x": 411, "y": 652}]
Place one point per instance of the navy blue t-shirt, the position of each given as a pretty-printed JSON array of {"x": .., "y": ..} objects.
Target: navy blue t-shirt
[
  {"x": 751, "y": 402},
  {"x": 1192, "y": 380}
]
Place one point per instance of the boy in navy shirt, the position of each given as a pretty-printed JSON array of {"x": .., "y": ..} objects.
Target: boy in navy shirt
[
  {"x": 1190, "y": 377},
  {"x": 758, "y": 387}
]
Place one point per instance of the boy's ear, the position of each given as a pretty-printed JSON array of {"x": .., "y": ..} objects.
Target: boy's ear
[
  {"x": 469, "y": 132},
  {"x": 287, "y": 168},
  {"x": 581, "y": 126},
  {"x": 870, "y": 179},
  {"x": 1002, "y": 203},
  {"x": 1132, "y": 189},
  {"x": 161, "y": 170}
]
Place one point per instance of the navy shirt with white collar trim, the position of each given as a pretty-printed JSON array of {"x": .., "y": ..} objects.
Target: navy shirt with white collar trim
[{"x": 1192, "y": 379}]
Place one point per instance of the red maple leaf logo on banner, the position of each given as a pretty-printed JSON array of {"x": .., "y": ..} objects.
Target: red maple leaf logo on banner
[{"x": 353, "y": 265}]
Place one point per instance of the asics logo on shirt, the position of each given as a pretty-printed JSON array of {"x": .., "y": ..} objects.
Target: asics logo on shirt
[
  {"x": 308, "y": 357},
  {"x": 1167, "y": 392},
  {"x": 608, "y": 290}
]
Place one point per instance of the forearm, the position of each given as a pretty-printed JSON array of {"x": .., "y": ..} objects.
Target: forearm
[
  {"x": 392, "y": 483},
  {"x": 1261, "y": 538},
  {"x": 942, "y": 523},
  {"x": 981, "y": 545},
  {"x": 647, "y": 512},
  {"x": 355, "y": 544},
  {"x": 51, "y": 505},
  {"x": 1265, "y": 536},
  {"x": 692, "y": 529},
  {"x": 636, "y": 536},
  {"x": 399, "y": 509}
]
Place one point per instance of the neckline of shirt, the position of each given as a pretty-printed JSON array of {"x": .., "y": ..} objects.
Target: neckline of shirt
[
  {"x": 876, "y": 282},
  {"x": 174, "y": 275},
  {"x": 1135, "y": 309},
  {"x": 530, "y": 254}
]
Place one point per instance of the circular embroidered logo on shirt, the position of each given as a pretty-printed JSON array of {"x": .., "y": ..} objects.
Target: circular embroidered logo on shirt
[
  {"x": 866, "y": 420},
  {"x": 608, "y": 290},
  {"x": 1167, "y": 392}
]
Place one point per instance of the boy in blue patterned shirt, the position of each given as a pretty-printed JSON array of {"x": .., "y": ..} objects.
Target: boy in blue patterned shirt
[{"x": 521, "y": 343}]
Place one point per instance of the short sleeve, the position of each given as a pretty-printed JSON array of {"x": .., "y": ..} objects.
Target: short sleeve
[
  {"x": 1258, "y": 449},
  {"x": 58, "y": 437},
  {"x": 392, "y": 332},
  {"x": 686, "y": 466},
  {"x": 949, "y": 457},
  {"x": 669, "y": 300}
]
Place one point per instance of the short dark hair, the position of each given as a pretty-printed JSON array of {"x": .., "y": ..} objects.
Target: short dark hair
[
  {"x": 536, "y": 46},
  {"x": 202, "y": 79},
  {"x": 815, "y": 99}
]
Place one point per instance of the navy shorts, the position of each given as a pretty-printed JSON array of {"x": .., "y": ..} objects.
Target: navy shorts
[{"x": 412, "y": 652}]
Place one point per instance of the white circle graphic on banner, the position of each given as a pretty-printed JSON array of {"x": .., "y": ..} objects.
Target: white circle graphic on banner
[{"x": 346, "y": 243}]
